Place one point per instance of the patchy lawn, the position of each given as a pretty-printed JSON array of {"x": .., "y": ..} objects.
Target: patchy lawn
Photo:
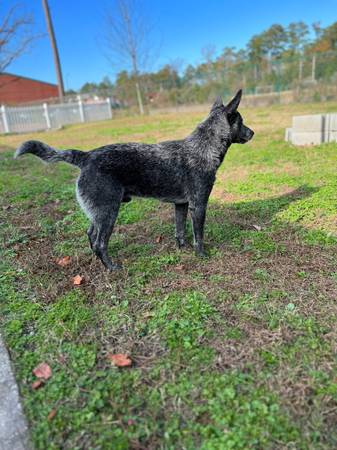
[{"x": 234, "y": 351}]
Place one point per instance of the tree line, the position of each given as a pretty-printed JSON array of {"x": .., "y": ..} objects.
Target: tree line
[{"x": 277, "y": 59}]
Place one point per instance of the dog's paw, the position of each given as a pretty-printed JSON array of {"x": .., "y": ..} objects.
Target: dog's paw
[
  {"x": 200, "y": 251},
  {"x": 201, "y": 254},
  {"x": 113, "y": 267},
  {"x": 181, "y": 243}
]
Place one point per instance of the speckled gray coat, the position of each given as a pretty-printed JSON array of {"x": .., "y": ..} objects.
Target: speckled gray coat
[{"x": 180, "y": 172}]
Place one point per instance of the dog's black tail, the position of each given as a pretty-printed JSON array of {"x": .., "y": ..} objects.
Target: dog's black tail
[{"x": 49, "y": 154}]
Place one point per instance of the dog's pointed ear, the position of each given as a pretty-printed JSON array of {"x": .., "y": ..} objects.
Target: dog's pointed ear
[
  {"x": 234, "y": 103},
  {"x": 218, "y": 103}
]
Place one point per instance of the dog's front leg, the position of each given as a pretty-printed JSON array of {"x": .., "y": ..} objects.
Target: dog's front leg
[
  {"x": 181, "y": 214},
  {"x": 198, "y": 214}
]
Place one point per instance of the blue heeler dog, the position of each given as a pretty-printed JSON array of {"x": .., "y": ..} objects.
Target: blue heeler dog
[{"x": 180, "y": 172}]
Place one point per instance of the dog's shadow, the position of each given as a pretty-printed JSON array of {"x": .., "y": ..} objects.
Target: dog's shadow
[{"x": 225, "y": 221}]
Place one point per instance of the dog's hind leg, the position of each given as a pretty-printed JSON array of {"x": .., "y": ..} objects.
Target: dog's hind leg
[
  {"x": 181, "y": 214},
  {"x": 100, "y": 197},
  {"x": 104, "y": 226}
]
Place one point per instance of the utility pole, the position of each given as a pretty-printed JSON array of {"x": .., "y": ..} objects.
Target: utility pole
[{"x": 55, "y": 51}]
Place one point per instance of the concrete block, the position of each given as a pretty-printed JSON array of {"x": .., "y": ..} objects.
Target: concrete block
[
  {"x": 332, "y": 136},
  {"x": 333, "y": 121},
  {"x": 288, "y": 134},
  {"x": 313, "y": 130},
  {"x": 330, "y": 128},
  {"x": 307, "y": 138},
  {"x": 312, "y": 123}
]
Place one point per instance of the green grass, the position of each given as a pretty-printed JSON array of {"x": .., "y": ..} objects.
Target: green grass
[{"x": 237, "y": 350}]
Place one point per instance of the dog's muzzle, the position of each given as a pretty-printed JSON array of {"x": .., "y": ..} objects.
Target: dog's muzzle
[{"x": 247, "y": 136}]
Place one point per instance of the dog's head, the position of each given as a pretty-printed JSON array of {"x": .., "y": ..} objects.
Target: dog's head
[{"x": 229, "y": 117}]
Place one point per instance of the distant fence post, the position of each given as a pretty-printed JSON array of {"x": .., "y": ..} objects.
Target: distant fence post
[
  {"x": 5, "y": 118},
  {"x": 46, "y": 114},
  {"x": 80, "y": 105},
  {"x": 313, "y": 68},
  {"x": 109, "y": 107}
]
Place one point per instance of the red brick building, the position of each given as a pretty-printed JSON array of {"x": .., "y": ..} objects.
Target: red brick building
[{"x": 15, "y": 89}]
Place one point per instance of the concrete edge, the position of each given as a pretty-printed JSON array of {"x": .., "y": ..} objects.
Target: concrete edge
[
  {"x": 13, "y": 425},
  {"x": 314, "y": 129}
]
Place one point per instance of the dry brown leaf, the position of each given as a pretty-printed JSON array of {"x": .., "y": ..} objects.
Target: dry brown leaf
[
  {"x": 43, "y": 371},
  {"x": 52, "y": 414},
  {"x": 159, "y": 239},
  {"x": 63, "y": 262},
  {"x": 77, "y": 280},
  {"x": 37, "y": 384},
  {"x": 119, "y": 359}
]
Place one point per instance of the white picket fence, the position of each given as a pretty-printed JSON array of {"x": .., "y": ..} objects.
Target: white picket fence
[{"x": 23, "y": 119}]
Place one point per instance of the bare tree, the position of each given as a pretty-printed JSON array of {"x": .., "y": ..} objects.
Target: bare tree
[
  {"x": 127, "y": 40},
  {"x": 16, "y": 35},
  {"x": 208, "y": 53}
]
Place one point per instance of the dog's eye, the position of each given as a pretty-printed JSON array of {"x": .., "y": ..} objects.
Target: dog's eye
[{"x": 232, "y": 119}]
